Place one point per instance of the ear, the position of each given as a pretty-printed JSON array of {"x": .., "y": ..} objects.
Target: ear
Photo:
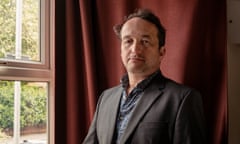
[{"x": 162, "y": 52}]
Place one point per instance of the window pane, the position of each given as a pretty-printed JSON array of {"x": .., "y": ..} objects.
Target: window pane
[
  {"x": 20, "y": 30},
  {"x": 23, "y": 112}
]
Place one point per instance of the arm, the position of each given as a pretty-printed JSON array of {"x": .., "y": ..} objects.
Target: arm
[
  {"x": 91, "y": 137},
  {"x": 190, "y": 123}
]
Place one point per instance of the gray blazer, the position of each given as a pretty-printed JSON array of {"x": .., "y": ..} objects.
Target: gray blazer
[{"x": 167, "y": 113}]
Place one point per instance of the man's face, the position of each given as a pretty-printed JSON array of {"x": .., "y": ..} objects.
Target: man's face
[{"x": 140, "y": 51}]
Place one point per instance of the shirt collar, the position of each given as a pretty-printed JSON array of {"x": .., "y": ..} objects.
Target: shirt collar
[{"x": 143, "y": 84}]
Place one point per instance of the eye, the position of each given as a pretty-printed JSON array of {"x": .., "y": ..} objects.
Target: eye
[
  {"x": 127, "y": 42},
  {"x": 145, "y": 42}
]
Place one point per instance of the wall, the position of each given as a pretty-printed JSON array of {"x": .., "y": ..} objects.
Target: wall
[
  {"x": 234, "y": 93},
  {"x": 233, "y": 18}
]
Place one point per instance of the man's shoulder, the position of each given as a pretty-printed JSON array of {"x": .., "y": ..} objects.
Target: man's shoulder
[
  {"x": 177, "y": 86},
  {"x": 178, "y": 91},
  {"x": 112, "y": 89},
  {"x": 111, "y": 93}
]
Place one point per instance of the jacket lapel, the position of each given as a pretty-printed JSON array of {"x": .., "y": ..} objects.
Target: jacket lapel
[{"x": 147, "y": 99}]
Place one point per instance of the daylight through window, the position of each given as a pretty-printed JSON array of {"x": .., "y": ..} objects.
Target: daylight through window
[{"x": 26, "y": 72}]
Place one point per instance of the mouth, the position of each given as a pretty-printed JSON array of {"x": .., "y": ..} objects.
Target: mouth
[{"x": 136, "y": 59}]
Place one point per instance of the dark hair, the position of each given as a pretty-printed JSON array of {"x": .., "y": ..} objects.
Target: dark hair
[{"x": 148, "y": 16}]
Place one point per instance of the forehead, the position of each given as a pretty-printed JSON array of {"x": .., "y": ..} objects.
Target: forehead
[{"x": 139, "y": 27}]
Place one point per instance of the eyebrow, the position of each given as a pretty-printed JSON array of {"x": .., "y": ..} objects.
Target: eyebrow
[
  {"x": 146, "y": 36},
  {"x": 143, "y": 36}
]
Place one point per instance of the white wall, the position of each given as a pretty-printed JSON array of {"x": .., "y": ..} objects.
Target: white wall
[{"x": 233, "y": 14}]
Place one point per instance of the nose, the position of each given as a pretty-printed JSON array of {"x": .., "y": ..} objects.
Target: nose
[{"x": 136, "y": 47}]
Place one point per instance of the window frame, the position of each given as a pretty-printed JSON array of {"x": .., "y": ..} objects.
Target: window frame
[
  {"x": 43, "y": 71},
  {"x": 44, "y": 63}
]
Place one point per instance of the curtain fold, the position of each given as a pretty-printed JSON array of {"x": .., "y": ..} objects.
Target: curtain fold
[{"x": 88, "y": 57}]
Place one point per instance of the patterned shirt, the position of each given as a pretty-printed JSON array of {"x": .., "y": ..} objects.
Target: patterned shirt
[{"x": 128, "y": 103}]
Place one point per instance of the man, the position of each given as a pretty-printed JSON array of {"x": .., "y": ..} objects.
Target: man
[{"x": 146, "y": 108}]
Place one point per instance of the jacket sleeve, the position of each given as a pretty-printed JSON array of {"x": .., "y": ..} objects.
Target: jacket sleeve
[
  {"x": 190, "y": 122},
  {"x": 91, "y": 137}
]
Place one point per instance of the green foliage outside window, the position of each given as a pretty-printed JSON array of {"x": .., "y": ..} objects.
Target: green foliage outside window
[
  {"x": 33, "y": 104},
  {"x": 6, "y": 104},
  {"x": 30, "y": 28}
]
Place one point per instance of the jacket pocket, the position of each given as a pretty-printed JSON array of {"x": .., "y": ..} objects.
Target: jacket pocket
[{"x": 151, "y": 133}]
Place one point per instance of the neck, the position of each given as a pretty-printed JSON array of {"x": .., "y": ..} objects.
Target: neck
[{"x": 135, "y": 78}]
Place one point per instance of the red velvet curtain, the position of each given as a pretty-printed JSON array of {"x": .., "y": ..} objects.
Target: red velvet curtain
[{"x": 88, "y": 59}]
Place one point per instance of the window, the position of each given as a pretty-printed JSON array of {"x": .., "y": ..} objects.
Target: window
[{"x": 26, "y": 71}]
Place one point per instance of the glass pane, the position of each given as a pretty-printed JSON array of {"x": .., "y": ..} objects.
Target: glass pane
[
  {"x": 20, "y": 30},
  {"x": 23, "y": 112}
]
